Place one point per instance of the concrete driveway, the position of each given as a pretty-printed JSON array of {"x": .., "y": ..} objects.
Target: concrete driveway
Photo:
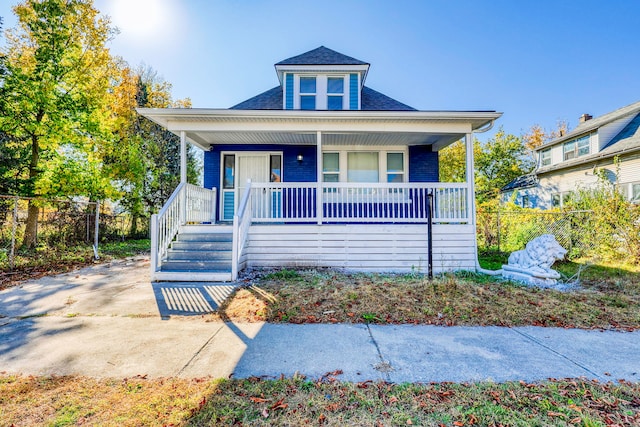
[{"x": 108, "y": 320}]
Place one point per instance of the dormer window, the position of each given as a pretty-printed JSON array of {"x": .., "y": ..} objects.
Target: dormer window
[
  {"x": 335, "y": 93},
  {"x": 307, "y": 93},
  {"x": 545, "y": 157},
  {"x": 576, "y": 148}
]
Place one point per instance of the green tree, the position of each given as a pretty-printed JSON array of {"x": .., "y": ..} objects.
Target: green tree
[
  {"x": 499, "y": 161},
  {"x": 57, "y": 75},
  {"x": 143, "y": 156}
]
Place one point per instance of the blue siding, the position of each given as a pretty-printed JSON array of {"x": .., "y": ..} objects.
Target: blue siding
[
  {"x": 289, "y": 91},
  {"x": 228, "y": 202},
  {"x": 423, "y": 167},
  {"x": 293, "y": 170},
  {"x": 423, "y": 164},
  {"x": 353, "y": 91}
]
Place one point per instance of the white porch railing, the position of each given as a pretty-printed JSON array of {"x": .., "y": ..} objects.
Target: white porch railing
[
  {"x": 241, "y": 223},
  {"x": 355, "y": 202},
  {"x": 201, "y": 204},
  {"x": 188, "y": 203}
]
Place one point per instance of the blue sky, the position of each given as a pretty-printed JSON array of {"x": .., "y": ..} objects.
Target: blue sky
[{"x": 538, "y": 62}]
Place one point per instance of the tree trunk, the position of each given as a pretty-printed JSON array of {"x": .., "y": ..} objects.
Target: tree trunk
[
  {"x": 133, "y": 231},
  {"x": 30, "y": 233},
  {"x": 31, "y": 229}
]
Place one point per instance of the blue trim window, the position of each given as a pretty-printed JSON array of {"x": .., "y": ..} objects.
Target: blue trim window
[
  {"x": 576, "y": 148},
  {"x": 307, "y": 93},
  {"x": 335, "y": 93}
]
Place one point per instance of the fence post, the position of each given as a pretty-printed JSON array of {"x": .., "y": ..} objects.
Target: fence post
[
  {"x": 14, "y": 228},
  {"x": 498, "y": 235},
  {"x": 96, "y": 232}
]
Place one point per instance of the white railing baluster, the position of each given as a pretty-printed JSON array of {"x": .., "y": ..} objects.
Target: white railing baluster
[{"x": 359, "y": 202}]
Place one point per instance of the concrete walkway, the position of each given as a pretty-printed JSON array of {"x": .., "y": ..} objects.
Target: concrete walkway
[{"x": 109, "y": 321}]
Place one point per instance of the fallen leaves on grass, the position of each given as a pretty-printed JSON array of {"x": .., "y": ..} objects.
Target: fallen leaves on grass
[
  {"x": 464, "y": 299},
  {"x": 52, "y": 400},
  {"x": 300, "y": 401}
]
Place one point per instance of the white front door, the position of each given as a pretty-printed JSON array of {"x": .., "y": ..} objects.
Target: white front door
[{"x": 237, "y": 168}]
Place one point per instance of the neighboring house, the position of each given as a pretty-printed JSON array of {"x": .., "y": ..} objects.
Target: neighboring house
[
  {"x": 321, "y": 170},
  {"x": 570, "y": 162}
]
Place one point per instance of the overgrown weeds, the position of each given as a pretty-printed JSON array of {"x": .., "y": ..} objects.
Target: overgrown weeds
[{"x": 608, "y": 299}]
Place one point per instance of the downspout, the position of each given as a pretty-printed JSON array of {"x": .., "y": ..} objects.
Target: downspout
[{"x": 472, "y": 192}]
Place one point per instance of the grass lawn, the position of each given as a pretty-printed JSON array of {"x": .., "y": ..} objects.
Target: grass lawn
[
  {"x": 62, "y": 401},
  {"x": 608, "y": 298}
]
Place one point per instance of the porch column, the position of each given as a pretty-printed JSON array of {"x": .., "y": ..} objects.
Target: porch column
[
  {"x": 470, "y": 175},
  {"x": 183, "y": 157},
  {"x": 183, "y": 176},
  {"x": 319, "y": 177}
]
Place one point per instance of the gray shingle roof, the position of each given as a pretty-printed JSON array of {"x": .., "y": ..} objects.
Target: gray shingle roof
[
  {"x": 375, "y": 101},
  {"x": 371, "y": 101},
  {"x": 524, "y": 181},
  {"x": 321, "y": 56},
  {"x": 269, "y": 100},
  {"x": 594, "y": 123}
]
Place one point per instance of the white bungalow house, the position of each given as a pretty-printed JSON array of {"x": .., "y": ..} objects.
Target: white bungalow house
[
  {"x": 321, "y": 170},
  {"x": 569, "y": 162}
]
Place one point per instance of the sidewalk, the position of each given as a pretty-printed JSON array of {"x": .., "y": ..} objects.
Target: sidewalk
[{"x": 109, "y": 321}]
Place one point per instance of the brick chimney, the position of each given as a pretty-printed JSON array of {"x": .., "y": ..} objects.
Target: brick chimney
[{"x": 585, "y": 117}]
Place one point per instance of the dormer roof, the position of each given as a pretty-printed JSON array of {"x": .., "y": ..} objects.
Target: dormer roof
[
  {"x": 372, "y": 100},
  {"x": 323, "y": 59},
  {"x": 321, "y": 56}
]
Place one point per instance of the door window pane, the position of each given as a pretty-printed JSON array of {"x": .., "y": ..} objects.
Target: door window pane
[
  {"x": 362, "y": 167},
  {"x": 229, "y": 164},
  {"x": 276, "y": 168}
]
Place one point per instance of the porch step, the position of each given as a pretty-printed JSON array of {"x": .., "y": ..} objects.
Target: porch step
[
  {"x": 170, "y": 276},
  {"x": 201, "y": 246},
  {"x": 204, "y": 237},
  {"x": 214, "y": 254},
  {"x": 199, "y": 250},
  {"x": 195, "y": 266}
]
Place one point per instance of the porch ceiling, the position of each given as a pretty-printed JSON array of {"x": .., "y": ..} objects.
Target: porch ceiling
[
  {"x": 209, "y": 138},
  {"x": 206, "y": 127}
]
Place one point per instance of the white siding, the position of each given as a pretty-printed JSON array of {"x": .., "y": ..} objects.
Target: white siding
[
  {"x": 630, "y": 170},
  {"x": 381, "y": 248},
  {"x": 583, "y": 177}
]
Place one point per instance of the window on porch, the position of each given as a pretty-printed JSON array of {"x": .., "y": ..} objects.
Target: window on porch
[{"x": 364, "y": 166}]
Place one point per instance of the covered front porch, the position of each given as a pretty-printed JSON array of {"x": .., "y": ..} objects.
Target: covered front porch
[{"x": 350, "y": 189}]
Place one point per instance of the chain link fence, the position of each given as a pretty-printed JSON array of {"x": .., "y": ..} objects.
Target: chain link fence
[
  {"x": 60, "y": 224},
  {"x": 508, "y": 231}
]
